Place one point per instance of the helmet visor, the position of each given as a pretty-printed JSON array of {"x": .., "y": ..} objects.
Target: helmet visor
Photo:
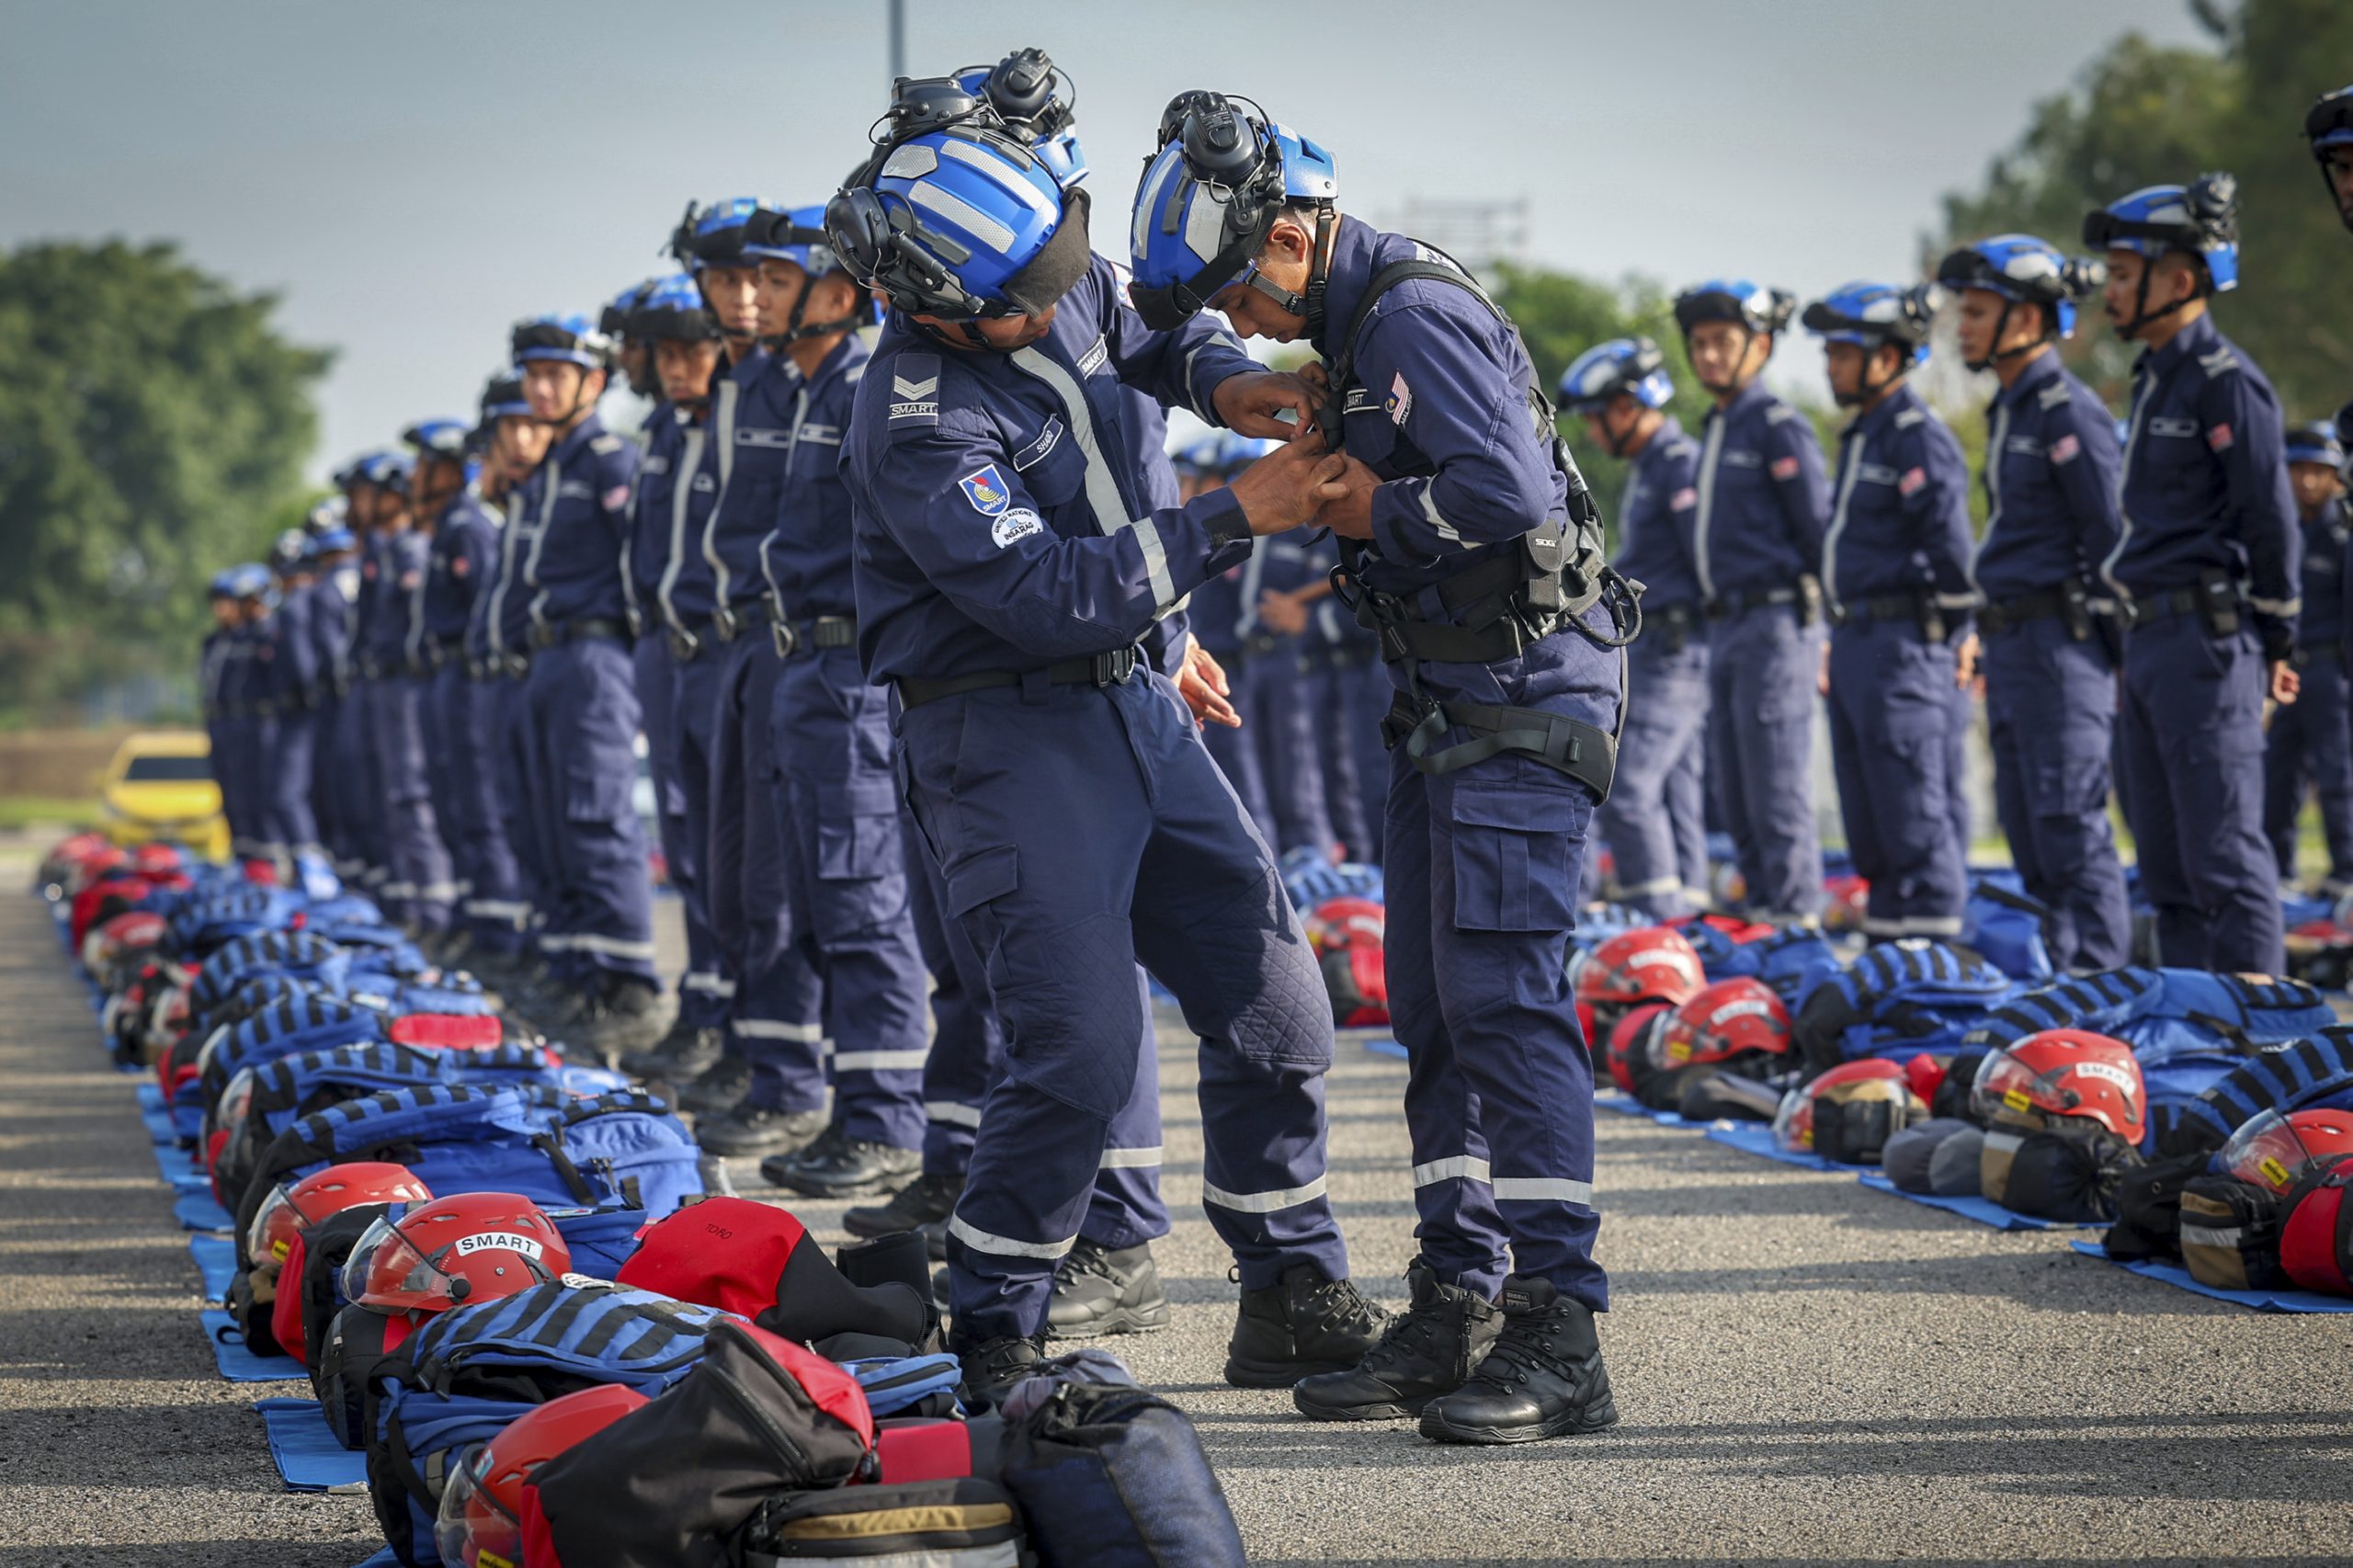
[
  {"x": 272, "y": 1235},
  {"x": 1670, "y": 1041},
  {"x": 472, "y": 1527},
  {"x": 2266, "y": 1153},
  {"x": 1793, "y": 1123},
  {"x": 2009, "y": 1090},
  {"x": 387, "y": 1272}
]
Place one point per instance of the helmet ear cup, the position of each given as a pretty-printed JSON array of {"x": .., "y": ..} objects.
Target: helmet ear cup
[{"x": 859, "y": 229}]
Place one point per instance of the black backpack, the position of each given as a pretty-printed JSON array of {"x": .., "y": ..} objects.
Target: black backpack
[{"x": 1112, "y": 1476}]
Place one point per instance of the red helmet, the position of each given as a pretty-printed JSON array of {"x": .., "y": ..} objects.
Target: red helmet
[
  {"x": 480, "y": 1524},
  {"x": 293, "y": 1208},
  {"x": 2273, "y": 1150},
  {"x": 1340, "y": 921},
  {"x": 474, "y": 1247},
  {"x": 2066, "y": 1073},
  {"x": 1356, "y": 976},
  {"x": 1731, "y": 1017},
  {"x": 1653, "y": 964},
  {"x": 1793, "y": 1124},
  {"x": 155, "y": 859},
  {"x": 120, "y": 933},
  {"x": 1629, "y": 1037}
]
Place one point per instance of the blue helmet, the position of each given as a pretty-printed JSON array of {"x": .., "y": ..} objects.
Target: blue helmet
[
  {"x": 2315, "y": 443},
  {"x": 332, "y": 542},
  {"x": 1876, "y": 315},
  {"x": 1633, "y": 366},
  {"x": 613, "y": 322},
  {"x": 798, "y": 235},
  {"x": 328, "y": 513},
  {"x": 289, "y": 552},
  {"x": 1208, "y": 200},
  {"x": 385, "y": 471},
  {"x": 1751, "y": 304},
  {"x": 953, "y": 215},
  {"x": 2026, "y": 271},
  {"x": 673, "y": 308},
  {"x": 442, "y": 438},
  {"x": 1199, "y": 455},
  {"x": 502, "y": 395},
  {"x": 2328, "y": 126},
  {"x": 566, "y": 338},
  {"x": 249, "y": 580},
  {"x": 1236, "y": 453},
  {"x": 713, "y": 235},
  {"x": 224, "y": 583},
  {"x": 2200, "y": 219},
  {"x": 1036, "y": 100}
]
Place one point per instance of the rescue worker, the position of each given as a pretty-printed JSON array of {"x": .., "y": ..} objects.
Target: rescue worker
[
  {"x": 421, "y": 884},
  {"x": 2328, "y": 126},
  {"x": 1895, "y": 575},
  {"x": 774, "y": 1024},
  {"x": 373, "y": 484},
  {"x": 2206, "y": 557},
  {"x": 2046, "y": 637},
  {"x": 581, "y": 694},
  {"x": 676, "y": 483},
  {"x": 335, "y": 595},
  {"x": 293, "y": 673},
  {"x": 1004, "y": 571},
  {"x": 1476, "y": 549},
  {"x": 458, "y": 717},
  {"x": 214, "y": 688},
  {"x": 2308, "y": 746},
  {"x": 1761, "y": 509},
  {"x": 1656, "y": 819}
]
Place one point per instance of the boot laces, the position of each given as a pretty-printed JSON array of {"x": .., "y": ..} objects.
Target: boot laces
[
  {"x": 1085, "y": 1258},
  {"x": 1406, "y": 1333},
  {"x": 1526, "y": 1347},
  {"x": 1339, "y": 1304}
]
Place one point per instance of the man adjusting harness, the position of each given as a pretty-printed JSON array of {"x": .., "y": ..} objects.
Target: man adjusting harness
[{"x": 1474, "y": 551}]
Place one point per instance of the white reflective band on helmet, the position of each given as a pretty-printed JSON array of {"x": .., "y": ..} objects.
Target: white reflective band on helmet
[
  {"x": 881, "y": 1061},
  {"x": 1543, "y": 1190},
  {"x": 1460, "y": 1167},
  {"x": 1102, "y": 490},
  {"x": 1262, "y": 1202},
  {"x": 1131, "y": 1159},
  {"x": 950, "y": 1113},
  {"x": 1004, "y": 1246},
  {"x": 777, "y": 1028},
  {"x": 611, "y": 947}
]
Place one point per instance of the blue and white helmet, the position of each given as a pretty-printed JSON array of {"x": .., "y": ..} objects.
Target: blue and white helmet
[
  {"x": 1036, "y": 100},
  {"x": 1208, "y": 200},
  {"x": 502, "y": 395},
  {"x": 614, "y": 320},
  {"x": 1633, "y": 366},
  {"x": 2315, "y": 443},
  {"x": 442, "y": 437},
  {"x": 2200, "y": 219},
  {"x": 954, "y": 215},
  {"x": 2028, "y": 271},
  {"x": 566, "y": 338},
  {"x": 250, "y": 580},
  {"x": 333, "y": 541},
  {"x": 673, "y": 308},
  {"x": 2329, "y": 122},
  {"x": 1202, "y": 454},
  {"x": 1741, "y": 300},
  {"x": 224, "y": 583},
  {"x": 1873, "y": 315},
  {"x": 328, "y": 513},
  {"x": 798, "y": 235},
  {"x": 385, "y": 471}
]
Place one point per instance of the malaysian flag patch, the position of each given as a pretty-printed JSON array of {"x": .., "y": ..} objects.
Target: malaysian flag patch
[
  {"x": 1914, "y": 478},
  {"x": 2220, "y": 438},
  {"x": 2064, "y": 448},
  {"x": 1683, "y": 499},
  {"x": 1785, "y": 468}
]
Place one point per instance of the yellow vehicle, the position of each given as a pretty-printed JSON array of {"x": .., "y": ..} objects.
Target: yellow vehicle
[{"x": 160, "y": 784}]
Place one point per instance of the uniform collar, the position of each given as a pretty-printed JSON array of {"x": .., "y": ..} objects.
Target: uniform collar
[
  {"x": 1882, "y": 418},
  {"x": 1346, "y": 279},
  {"x": 2199, "y": 337},
  {"x": 1670, "y": 430},
  {"x": 577, "y": 440},
  {"x": 1747, "y": 401},
  {"x": 2042, "y": 368},
  {"x": 839, "y": 361}
]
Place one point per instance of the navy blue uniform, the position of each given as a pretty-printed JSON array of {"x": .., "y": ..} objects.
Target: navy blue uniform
[
  {"x": 1002, "y": 525},
  {"x": 356, "y": 769},
  {"x": 581, "y": 698},
  {"x": 2050, "y": 468},
  {"x": 333, "y": 597},
  {"x": 294, "y": 675},
  {"x": 1896, "y": 573},
  {"x": 1348, "y": 694},
  {"x": 1761, "y": 510},
  {"x": 217, "y": 680},
  {"x": 463, "y": 719},
  {"x": 495, "y": 645},
  {"x": 2309, "y": 745},
  {"x": 1482, "y": 864},
  {"x": 2204, "y": 498},
  {"x": 1656, "y": 819},
  {"x": 420, "y": 886}
]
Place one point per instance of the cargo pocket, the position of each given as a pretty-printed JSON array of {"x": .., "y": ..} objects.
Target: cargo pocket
[
  {"x": 861, "y": 865},
  {"x": 594, "y": 793},
  {"x": 1515, "y": 857}
]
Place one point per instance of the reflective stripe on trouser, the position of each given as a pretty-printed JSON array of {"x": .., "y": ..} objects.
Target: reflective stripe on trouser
[
  {"x": 2049, "y": 719},
  {"x": 463, "y": 715},
  {"x": 1347, "y": 701},
  {"x": 839, "y": 821},
  {"x": 1653, "y": 822},
  {"x": 1892, "y": 720},
  {"x": 654, "y": 671},
  {"x": 776, "y": 1021},
  {"x": 2309, "y": 747},
  {"x": 2193, "y": 755},
  {"x": 416, "y": 856},
  {"x": 1482, "y": 871},
  {"x": 583, "y": 698},
  {"x": 1275, "y": 719},
  {"x": 1078, "y": 830},
  {"x": 1762, "y": 668},
  {"x": 693, "y": 701}
]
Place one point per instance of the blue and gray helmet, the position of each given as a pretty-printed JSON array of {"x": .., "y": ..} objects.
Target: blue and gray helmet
[
  {"x": 327, "y": 515},
  {"x": 2024, "y": 270},
  {"x": 1631, "y": 366},
  {"x": 714, "y": 235},
  {"x": 1873, "y": 316},
  {"x": 613, "y": 321},
  {"x": 502, "y": 397},
  {"x": 567, "y": 339},
  {"x": 1209, "y": 198},
  {"x": 334, "y": 540},
  {"x": 2315, "y": 443},
  {"x": 2200, "y": 219},
  {"x": 673, "y": 308},
  {"x": 1737, "y": 300},
  {"x": 1036, "y": 100},
  {"x": 385, "y": 471}
]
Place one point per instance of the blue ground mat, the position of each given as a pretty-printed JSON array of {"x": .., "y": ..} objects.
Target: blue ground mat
[
  {"x": 1985, "y": 1210},
  {"x": 1382, "y": 1045},
  {"x": 178, "y": 1168},
  {"x": 309, "y": 1459},
  {"x": 384, "y": 1559},
  {"x": 152, "y": 1112},
  {"x": 1756, "y": 1138},
  {"x": 197, "y": 1211},
  {"x": 2260, "y": 1300},
  {"x": 238, "y": 1364},
  {"x": 1627, "y": 1105},
  {"x": 216, "y": 1260}
]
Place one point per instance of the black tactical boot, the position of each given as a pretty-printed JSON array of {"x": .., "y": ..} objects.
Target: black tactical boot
[
  {"x": 758, "y": 1129},
  {"x": 924, "y": 1206},
  {"x": 848, "y": 1167},
  {"x": 1098, "y": 1291},
  {"x": 993, "y": 1366},
  {"x": 684, "y": 1054},
  {"x": 1544, "y": 1379},
  {"x": 1303, "y": 1323},
  {"x": 1431, "y": 1350},
  {"x": 718, "y": 1090},
  {"x": 618, "y": 1013}
]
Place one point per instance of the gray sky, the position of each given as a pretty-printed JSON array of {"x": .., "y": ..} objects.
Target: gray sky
[{"x": 414, "y": 178}]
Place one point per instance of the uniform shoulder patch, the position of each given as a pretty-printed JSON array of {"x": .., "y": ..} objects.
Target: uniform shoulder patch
[
  {"x": 986, "y": 490},
  {"x": 914, "y": 390},
  {"x": 1018, "y": 523},
  {"x": 2223, "y": 361},
  {"x": 605, "y": 446},
  {"x": 1908, "y": 417},
  {"x": 1780, "y": 413},
  {"x": 2058, "y": 395}
]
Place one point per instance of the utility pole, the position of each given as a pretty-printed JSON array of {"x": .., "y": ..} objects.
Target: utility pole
[{"x": 898, "y": 39}]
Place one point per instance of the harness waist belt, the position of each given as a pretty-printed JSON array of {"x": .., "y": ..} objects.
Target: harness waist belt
[
  {"x": 579, "y": 629},
  {"x": 1096, "y": 669},
  {"x": 1587, "y": 753},
  {"x": 817, "y": 632}
]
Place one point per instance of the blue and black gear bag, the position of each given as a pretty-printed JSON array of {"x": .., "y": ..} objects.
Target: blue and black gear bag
[
  {"x": 2004, "y": 926},
  {"x": 2314, "y": 1072},
  {"x": 1898, "y": 1000},
  {"x": 1112, "y": 1476}
]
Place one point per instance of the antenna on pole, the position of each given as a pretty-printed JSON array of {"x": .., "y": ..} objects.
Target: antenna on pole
[{"x": 898, "y": 39}]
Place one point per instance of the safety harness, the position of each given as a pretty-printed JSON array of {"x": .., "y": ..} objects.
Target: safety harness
[{"x": 1511, "y": 598}]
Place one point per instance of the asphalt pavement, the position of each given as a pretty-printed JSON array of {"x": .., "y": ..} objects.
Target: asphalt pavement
[{"x": 1807, "y": 1371}]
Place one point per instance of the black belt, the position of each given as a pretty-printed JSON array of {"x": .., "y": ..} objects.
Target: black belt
[
  {"x": 1740, "y": 601},
  {"x": 1587, "y": 753},
  {"x": 2216, "y": 599},
  {"x": 443, "y": 651},
  {"x": 1916, "y": 608},
  {"x": 817, "y": 632},
  {"x": 1339, "y": 655},
  {"x": 1674, "y": 624},
  {"x": 368, "y": 668},
  {"x": 2018, "y": 609},
  {"x": 1096, "y": 669},
  {"x": 2309, "y": 653},
  {"x": 579, "y": 629}
]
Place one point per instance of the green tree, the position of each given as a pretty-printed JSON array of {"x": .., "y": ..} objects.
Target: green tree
[{"x": 153, "y": 424}]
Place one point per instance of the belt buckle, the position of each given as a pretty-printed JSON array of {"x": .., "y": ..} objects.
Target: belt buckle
[
  {"x": 787, "y": 638},
  {"x": 1114, "y": 667}
]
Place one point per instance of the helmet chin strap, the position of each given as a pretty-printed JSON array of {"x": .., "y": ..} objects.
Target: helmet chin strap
[
  {"x": 2001, "y": 356},
  {"x": 1866, "y": 389},
  {"x": 2142, "y": 314}
]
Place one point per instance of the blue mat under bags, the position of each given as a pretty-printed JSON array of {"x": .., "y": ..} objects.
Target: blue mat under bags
[
  {"x": 178, "y": 1169},
  {"x": 240, "y": 1365},
  {"x": 216, "y": 1260},
  {"x": 308, "y": 1456},
  {"x": 1627, "y": 1105},
  {"x": 1985, "y": 1210},
  {"x": 152, "y": 1112},
  {"x": 1756, "y": 1137},
  {"x": 2260, "y": 1300},
  {"x": 197, "y": 1211}
]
